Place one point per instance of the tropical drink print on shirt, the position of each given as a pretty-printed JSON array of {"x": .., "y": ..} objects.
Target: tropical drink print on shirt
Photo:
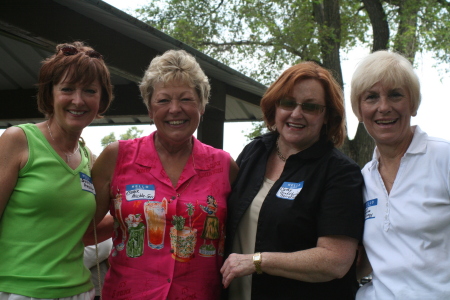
[{"x": 146, "y": 228}]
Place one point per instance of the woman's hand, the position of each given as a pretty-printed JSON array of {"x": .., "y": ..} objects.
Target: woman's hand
[{"x": 236, "y": 265}]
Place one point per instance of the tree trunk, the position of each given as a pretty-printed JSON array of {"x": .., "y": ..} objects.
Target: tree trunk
[
  {"x": 328, "y": 17},
  {"x": 380, "y": 26},
  {"x": 406, "y": 37},
  {"x": 360, "y": 149}
]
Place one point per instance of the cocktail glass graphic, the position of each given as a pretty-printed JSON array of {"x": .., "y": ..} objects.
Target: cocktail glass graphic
[
  {"x": 118, "y": 211},
  {"x": 136, "y": 232},
  {"x": 155, "y": 216},
  {"x": 182, "y": 240}
]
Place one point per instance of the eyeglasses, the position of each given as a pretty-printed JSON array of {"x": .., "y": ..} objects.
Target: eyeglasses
[
  {"x": 71, "y": 50},
  {"x": 308, "y": 108}
]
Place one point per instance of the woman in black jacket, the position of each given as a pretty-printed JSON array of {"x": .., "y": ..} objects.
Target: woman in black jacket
[{"x": 295, "y": 214}]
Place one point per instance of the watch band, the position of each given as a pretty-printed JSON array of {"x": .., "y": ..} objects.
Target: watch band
[{"x": 257, "y": 259}]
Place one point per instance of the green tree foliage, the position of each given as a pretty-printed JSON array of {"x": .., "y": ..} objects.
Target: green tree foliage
[
  {"x": 277, "y": 34},
  {"x": 257, "y": 129},
  {"x": 106, "y": 140},
  {"x": 132, "y": 133},
  {"x": 410, "y": 26}
]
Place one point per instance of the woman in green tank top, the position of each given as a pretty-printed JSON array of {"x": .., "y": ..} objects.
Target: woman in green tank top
[{"x": 47, "y": 197}]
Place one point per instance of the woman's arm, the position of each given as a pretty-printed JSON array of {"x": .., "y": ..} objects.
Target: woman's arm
[
  {"x": 103, "y": 230},
  {"x": 234, "y": 169},
  {"x": 363, "y": 267},
  {"x": 13, "y": 157},
  {"x": 330, "y": 259},
  {"x": 102, "y": 173}
]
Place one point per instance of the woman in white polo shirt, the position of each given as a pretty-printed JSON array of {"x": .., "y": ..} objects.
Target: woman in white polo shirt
[{"x": 407, "y": 187}]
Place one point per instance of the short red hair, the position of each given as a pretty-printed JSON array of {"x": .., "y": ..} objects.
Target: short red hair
[
  {"x": 78, "y": 68},
  {"x": 334, "y": 130}
]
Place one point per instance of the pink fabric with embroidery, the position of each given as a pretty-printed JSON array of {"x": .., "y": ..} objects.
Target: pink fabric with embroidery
[{"x": 167, "y": 243}]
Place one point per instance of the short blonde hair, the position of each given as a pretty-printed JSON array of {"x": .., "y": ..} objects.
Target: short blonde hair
[
  {"x": 175, "y": 65},
  {"x": 389, "y": 68}
]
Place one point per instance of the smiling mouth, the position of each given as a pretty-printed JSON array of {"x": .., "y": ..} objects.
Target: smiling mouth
[
  {"x": 177, "y": 122},
  {"x": 295, "y": 125},
  {"x": 78, "y": 113},
  {"x": 386, "y": 122}
]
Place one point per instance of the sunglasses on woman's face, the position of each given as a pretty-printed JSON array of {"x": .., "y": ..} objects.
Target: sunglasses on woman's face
[
  {"x": 70, "y": 50},
  {"x": 307, "y": 108}
]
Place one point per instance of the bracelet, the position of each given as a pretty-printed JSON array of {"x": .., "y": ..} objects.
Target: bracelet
[{"x": 257, "y": 259}]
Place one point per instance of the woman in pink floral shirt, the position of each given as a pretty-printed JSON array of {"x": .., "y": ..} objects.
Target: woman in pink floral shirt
[{"x": 167, "y": 192}]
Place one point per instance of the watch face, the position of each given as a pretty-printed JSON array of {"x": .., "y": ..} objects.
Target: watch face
[{"x": 257, "y": 262}]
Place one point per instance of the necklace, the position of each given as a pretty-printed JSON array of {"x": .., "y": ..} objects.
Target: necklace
[
  {"x": 189, "y": 182},
  {"x": 281, "y": 156},
  {"x": 67, "y": 155}
]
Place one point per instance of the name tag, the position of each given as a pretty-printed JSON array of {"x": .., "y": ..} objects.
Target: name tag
[
  {"x": 370, "y": 208},
  {"x": 289, "y": 190},
  {"x": 86, "y": 183},
  {"x": 140, "y": 192}
]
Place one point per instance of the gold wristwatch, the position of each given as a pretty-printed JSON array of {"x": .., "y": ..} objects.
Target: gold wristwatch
[{"x": 257, "y": 259}]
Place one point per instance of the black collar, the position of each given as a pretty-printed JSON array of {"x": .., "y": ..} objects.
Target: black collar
[{"x": 317, "y": 150}]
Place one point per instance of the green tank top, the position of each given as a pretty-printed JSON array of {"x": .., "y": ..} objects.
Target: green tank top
[{"x": 41, "y": 252}]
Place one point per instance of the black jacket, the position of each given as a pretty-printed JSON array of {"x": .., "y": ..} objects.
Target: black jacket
[{"x": 329, "y": 203}]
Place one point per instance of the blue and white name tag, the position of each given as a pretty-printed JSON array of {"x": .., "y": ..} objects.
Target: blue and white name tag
[
  {"x": 370, "y": 206},
  {"x": 140, "y": 192},
  {"x": 289, "y": 190},
  {"x": 86, "y": 183}
]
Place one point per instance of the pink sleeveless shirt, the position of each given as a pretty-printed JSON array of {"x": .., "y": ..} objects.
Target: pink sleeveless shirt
[{"x": 168, "y": 242}]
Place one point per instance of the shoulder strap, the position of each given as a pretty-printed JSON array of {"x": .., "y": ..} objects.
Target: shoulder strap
[{"x": 87, "y": 152}]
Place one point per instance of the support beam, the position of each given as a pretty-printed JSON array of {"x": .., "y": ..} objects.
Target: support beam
[{"x": 211, "y": 128}]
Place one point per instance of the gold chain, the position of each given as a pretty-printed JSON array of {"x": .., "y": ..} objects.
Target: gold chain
[
  {"x": 281, "y": 156},
  {"x": 67, "y": 155},
  {"x": 189, "y": 182}
]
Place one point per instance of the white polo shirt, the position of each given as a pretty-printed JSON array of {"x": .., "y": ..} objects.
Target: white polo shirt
[{"x": 407, "y": 233}]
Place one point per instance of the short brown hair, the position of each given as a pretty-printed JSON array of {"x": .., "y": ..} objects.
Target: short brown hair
[
  {"x": 334, "y": 130},
  {"x": 78, "y": 68}
]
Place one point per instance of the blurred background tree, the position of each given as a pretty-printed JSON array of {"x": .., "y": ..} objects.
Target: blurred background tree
[
  {"x": 260, "y": 38},
  {"x": 132, "y": 133},
  {"x": 257, "y": 129}
]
